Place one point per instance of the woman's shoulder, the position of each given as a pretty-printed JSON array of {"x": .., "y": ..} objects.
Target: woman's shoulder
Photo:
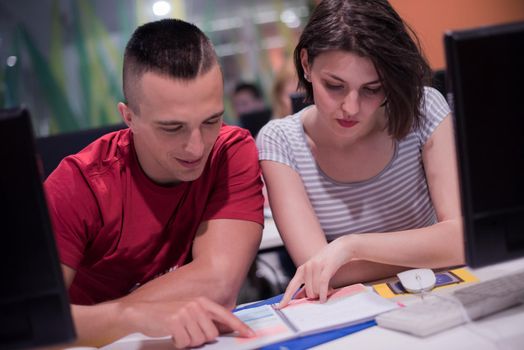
[
  {"x": 291, "y": 121},
  {"x": 433, "y": 97},
  {"x": 434, "y": 110},
  {"x": 291, "y": 124}
]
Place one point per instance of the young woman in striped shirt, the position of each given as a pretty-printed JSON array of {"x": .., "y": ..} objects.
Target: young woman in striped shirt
[{"x": 363, "y": 183}]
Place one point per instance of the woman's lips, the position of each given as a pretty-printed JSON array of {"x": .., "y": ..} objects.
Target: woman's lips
[{"x": 346, "y": 123}]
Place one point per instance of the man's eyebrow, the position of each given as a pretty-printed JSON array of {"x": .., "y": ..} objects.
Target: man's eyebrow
[
  {"x": 216, "y": 115},
  {"x": 177, "y": 122}
]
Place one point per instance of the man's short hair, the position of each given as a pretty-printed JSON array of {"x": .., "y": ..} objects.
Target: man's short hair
[{"x": 170, "y": 47}]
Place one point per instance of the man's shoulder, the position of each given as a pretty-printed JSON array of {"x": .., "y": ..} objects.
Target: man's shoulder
[
  {"x": 231, "y": 135},
  {"x": 98, "y": 157},
  {"x": 235, "y": 143},
  {"x": 228, "y": 132},
  {"x": 103, "y": 152}
]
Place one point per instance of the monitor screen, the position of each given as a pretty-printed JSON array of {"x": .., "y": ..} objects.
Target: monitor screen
[
  {"x": 255, "y": 120},
  {"x": 298, "y": 102},
  {"x": 52, "y": 149},
  {"x": 485, "y": 77},
  {"x": 34, "y": 308}
]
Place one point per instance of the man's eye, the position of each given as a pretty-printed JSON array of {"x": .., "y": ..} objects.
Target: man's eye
[
  {"x": 212, "y": 121},
  {"x": 171, "y": 130}
]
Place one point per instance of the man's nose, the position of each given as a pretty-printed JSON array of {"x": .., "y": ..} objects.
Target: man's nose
[{"x": 195, "y": 144}]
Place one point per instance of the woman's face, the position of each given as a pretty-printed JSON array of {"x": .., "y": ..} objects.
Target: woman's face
[{"x": 348, "y": 93}]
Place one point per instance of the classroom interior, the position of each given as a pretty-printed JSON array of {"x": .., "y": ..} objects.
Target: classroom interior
[{"x": 62, "y": 61}]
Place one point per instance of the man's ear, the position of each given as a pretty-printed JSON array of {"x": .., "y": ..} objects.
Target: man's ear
[
  {"x": 126, "y": 114},
  {"x": 305, "y": 64}
]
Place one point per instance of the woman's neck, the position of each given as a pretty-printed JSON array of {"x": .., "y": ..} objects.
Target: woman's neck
[
  {"x": 347, "y": 159},
  {"x": 319, "y": 135}
]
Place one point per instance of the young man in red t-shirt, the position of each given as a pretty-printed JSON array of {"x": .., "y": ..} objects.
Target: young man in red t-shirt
[{"x": 158, "y": 224}]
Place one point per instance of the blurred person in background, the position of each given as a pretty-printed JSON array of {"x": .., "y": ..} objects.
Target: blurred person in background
[
  {"x": 284, "y": 85},
  {"x": 247, "y": 98}
]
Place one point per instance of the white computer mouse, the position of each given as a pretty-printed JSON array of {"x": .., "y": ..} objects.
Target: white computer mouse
[{"x": 417, "y": 280}]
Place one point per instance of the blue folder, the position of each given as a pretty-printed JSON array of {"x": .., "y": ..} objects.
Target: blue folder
[{"x": 308, "y": 341}]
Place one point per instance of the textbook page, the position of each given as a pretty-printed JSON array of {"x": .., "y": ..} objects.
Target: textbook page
[
  {"x": 268, "y": 325},
  {"x": 344, "y": 308},
  {"x": 347, "y": 306}
]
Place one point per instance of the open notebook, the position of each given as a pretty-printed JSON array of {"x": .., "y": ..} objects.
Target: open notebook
[{"x": 347, "y": 306}]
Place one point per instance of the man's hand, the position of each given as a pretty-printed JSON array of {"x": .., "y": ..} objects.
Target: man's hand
[{"x": 190, "y": 322}]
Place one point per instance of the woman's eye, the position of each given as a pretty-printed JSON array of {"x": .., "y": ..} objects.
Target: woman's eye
[
  {"x": 372, "y": 91},
  {"x": 334, "y": 86}
]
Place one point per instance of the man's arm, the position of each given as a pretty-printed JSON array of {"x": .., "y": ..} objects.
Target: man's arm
[
  {"x": 177, "y": 303},
  {"x": 223, "y": 251}
]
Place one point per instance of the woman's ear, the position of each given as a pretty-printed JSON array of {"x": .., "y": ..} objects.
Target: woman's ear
[{"x": 305, "y": 64}]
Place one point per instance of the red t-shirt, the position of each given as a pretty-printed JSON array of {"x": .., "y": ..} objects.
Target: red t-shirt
[{"x": 118, "y": 229}]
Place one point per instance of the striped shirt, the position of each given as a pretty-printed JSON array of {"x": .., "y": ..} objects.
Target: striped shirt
[{"x": 395, "y": 199}]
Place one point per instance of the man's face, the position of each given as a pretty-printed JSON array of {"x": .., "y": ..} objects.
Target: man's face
[{"x": 177, "y": 124}]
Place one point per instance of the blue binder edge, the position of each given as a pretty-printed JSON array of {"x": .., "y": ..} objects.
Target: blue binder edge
[{"x": 308, "y": 341}]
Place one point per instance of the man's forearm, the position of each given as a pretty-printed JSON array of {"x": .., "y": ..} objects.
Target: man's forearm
[
  {"x": 223, "y": 251},
  {"x": 183, "y": 319},
  {"x": 104, "y": 323},
  {"x": 190, "y": 280},
  {"x": 100, "y": 324}
]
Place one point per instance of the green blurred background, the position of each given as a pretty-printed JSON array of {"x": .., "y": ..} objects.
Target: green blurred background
[{"x": 63, "y": 58}]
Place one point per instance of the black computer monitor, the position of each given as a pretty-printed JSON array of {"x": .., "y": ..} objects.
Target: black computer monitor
[
  {"x": 485, "y": 75},
  {"x": 34, "y": 307},
  {"x": 298, "y": 102},
  {"x": 52, "y": 149},
  {"x": 255, "y": 120}
]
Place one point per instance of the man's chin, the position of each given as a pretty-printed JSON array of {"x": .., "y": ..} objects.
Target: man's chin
[{"x": 187, "y": 176}]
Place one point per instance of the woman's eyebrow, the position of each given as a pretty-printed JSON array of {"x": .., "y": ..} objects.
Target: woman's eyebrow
[{"x": 333, "y": 76}]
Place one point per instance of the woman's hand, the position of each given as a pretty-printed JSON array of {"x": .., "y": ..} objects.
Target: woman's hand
[{"x": 317, "y": 272}]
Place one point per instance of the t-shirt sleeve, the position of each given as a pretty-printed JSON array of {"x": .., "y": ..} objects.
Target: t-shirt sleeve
[
  {"x": 434, "y": 109},
  {"x": 273, "y": 144},
  {"x": 237, "y": 192},
  {"x": 73, "y": 212}
]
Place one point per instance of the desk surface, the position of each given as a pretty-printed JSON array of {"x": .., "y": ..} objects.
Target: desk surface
[{"x": 504, "y": 330}]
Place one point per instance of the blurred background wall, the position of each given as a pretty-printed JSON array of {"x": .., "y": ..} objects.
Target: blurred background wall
[
  {"x": 432, "y": 18},
  {"x": 63, "y": 58}
]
